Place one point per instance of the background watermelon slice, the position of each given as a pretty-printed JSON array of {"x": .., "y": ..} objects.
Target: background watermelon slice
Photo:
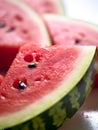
[
  {"x": 46, "y": 6},
  {"x": 42, "y": 80},
  {"x": 19, "y": 24},
  {"x": 72, "y": 31}
]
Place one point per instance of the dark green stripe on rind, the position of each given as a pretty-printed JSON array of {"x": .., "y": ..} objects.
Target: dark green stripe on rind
[{"x": 55, "y": 116}]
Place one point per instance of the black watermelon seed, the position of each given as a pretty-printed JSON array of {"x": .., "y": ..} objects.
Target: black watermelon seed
[
  {"x": 32, "y": 65},
  {"x": 22, "y": 85},
  {"x": 77, "y": 41},
  {"x": 2, "y": 24}
]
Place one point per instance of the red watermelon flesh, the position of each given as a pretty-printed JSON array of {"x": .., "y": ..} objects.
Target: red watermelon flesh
[
  {"x": 18, "y": 26},
  {"x": 73, "y": 32},
  {"x": 34, "y": 73},
  {"x": 46, "y": 6}
]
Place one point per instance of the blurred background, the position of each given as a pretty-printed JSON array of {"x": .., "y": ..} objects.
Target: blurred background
[{"x": 82, "y": 9}]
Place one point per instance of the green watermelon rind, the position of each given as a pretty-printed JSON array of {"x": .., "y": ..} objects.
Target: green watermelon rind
[
  {"x": 34, "y": 16},
  {"x": 54, "y": 101}
]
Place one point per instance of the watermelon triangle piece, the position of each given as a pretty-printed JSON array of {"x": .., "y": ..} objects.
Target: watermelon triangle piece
[
  {"x": 74, "y": 32},
  {"x": 45, "y": 80}
]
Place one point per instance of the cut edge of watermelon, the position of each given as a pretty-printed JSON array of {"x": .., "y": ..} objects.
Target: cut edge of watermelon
[
  {"x": 39, "y": 21},
  {"x": 81, "y": 66},
  {"x": 68, "y": 19}
]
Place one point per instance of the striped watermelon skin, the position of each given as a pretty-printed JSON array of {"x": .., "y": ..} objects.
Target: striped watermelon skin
[{"x": 54, "y": 117}]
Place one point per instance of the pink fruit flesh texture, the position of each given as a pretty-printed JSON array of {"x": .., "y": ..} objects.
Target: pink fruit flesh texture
[
  {"x": 52, "y": 65},
  {"x": 18, "y": 26}
]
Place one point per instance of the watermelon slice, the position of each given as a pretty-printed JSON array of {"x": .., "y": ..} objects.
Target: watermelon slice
[
  {"x": 45, "y": 86},
  {"x": 46, "y": 6},
  {"x": 74, "y": 32},
  {"x": 19, "y": 24}
]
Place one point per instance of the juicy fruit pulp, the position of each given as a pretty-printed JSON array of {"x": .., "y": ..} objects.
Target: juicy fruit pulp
[
  {"x": 37, "y": 76},
  {"x": 46, "y": 6},
  {"x": 18, "y": 25}
]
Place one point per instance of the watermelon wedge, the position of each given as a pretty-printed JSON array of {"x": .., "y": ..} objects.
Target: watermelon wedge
[
  {"x": 45, "y": 86},
  {"x": 46, "y": 6},
  {"x": 74, "y": 32},
  {"x": 19, "y": 24}
]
